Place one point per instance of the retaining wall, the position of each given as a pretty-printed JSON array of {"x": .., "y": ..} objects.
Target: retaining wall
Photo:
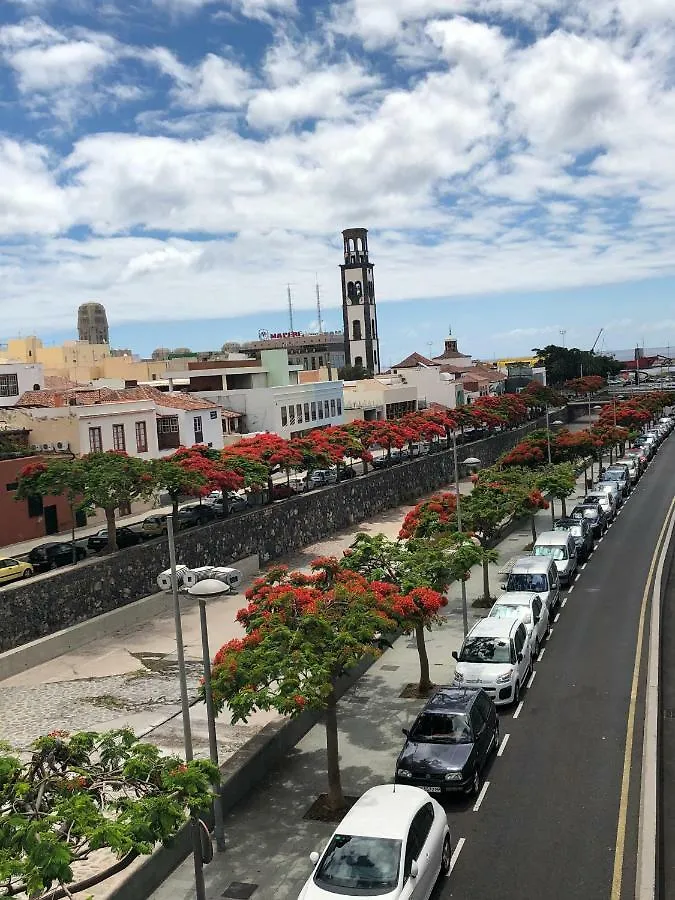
[{"x": 53, "y": 601}]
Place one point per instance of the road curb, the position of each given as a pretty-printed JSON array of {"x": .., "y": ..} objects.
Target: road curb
[{"x": 648, "y": 819}]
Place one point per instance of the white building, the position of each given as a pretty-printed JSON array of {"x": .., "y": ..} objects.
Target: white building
[
  {"x": 432, "y": 381},
  {"x": 266, "y": 392},
  {"x": 378, "y": 399},
  {"x": 140, "y": 421},
  {"x": 18, "y": 377}
]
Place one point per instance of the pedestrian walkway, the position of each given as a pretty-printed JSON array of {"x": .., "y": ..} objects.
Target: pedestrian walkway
[{"x": 269, "y": 840}]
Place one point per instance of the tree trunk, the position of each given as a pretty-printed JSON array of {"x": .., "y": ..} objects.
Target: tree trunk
[
  {"x": 533, "y": 525},
  {"x": 174, "y": 508},
  {"x": 72, "y": 533},
  {"x": 335, "y": 798},
  {"x": 425, "y": 680},
  {"x": 112, "y": 528},
  {"x": 486, "y": 581},
  {"x": 564, "y": 507},
  {"x": 552, "y": 512}
]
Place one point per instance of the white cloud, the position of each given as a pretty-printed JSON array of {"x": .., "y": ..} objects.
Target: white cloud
[
  {"x": 31, "y": 201},
  {"x": 214, "y": 82},
  {"x": 61, "y": 65},
  {"x": 252, "y": 9}
]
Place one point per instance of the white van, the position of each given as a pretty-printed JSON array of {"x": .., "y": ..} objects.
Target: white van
[
  {"x": 561, "y": 547},
  {"x": 537, "y": 574}
]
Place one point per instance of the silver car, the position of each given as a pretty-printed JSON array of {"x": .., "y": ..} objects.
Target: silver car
[
  {"x": 530, "y": 609},
  {"x": 606, "y": 500}
]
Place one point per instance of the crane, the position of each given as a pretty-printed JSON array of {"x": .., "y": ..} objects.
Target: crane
[{"x": 595, "y": 342}]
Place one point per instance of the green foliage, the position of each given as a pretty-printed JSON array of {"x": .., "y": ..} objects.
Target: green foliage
[
  {"x": 567, "y": 363},
  {"x": 559, "y": 481},
  {"x": 85, "y": 792}
]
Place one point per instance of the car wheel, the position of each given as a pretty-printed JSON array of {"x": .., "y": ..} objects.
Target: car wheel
[
  {"x": 516, "y": 694},
  {"x": 27, "y": 573},
  {"x": 497, "y": 738},
  {"x": 53, "y": 564},
  {"x": 446, "y": 857},
  {"x": 474, "y": 790},
  {"x": 535, "y": 651}
]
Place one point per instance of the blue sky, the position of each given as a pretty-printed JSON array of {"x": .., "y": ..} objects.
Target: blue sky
[{"x": 183, "y": 160}]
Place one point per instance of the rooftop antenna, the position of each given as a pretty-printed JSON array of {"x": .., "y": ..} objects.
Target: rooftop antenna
[
  {"x": 318, "y": 305},
  {"x": 290, "y": 307},
  {"x": 563, "y": 332},
  {"x": 430, "y": 345}
]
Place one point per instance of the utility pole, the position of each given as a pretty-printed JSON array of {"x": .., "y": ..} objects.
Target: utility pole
[{"x": 318, "y": 306}]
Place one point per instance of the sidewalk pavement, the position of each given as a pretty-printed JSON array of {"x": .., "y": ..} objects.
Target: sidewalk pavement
[{"x": 269, "y": 840}]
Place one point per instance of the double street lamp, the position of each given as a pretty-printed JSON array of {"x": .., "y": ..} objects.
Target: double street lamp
[{"x": 474, "y": 462}]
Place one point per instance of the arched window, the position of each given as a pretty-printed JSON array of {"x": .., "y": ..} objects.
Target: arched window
[
  {"x": 351, "y": 290},
  {"x": 373, "y": 329},
  {"x": 356, "y": 330},
  {"x": 358, "y": 289},
  {"x": 358, "y": 362},
  {"x": 36, "y": 387}
]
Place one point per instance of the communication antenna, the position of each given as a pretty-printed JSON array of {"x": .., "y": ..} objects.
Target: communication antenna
[
  {"x": 563, "y": 332},
  {"x": 318, "y": 306},
  {"x": 290, "y": 307}
]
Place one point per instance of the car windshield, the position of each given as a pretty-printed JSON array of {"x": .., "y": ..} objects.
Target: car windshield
[
  {"x": 366, "y": 865},
  {"x": 524, "y": 581},
  {"x": 547, "y": 550},
  {"x": 596, "y": 498},
  {"x": 485, "y": 650},
  {"x": 510, "y": 611},
  {"x": 577, "y": 531},
  {"x": 442, "y": 729},
  {"x": 586, "y": 512}
]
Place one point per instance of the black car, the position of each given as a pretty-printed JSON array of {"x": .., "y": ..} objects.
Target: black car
[
  {"x": 595, "y": 516},
  {"x": 450, "y": 742},
  {"x": 581, "y": 531},
  {"x": 125, "y": 538},
  {"x": 50, "y": 556},
  {"x": 345, "y": 473},
  {"x": 190, "y": 516}
]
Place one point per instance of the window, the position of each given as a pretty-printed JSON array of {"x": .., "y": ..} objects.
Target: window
[
  {"x": 167, "y": 424},
  {"x": 168, "y": 435},
  {"x": 320, "y": 361},
  {"x": 417, "y": 836},
  {"x": 141, "y": 437},
  {"x": 320, "y": 410},
  {"x": 35, "y": 506},
  {"x": 95, "y": 440},
  {"x": 298, "y": 412},
  {"x": 291, "y": 415},
  {"x": 314, "y": 362},
  {"x": 284, "y": 416},
  {"x": 356, "y": 330},
  {"x": 358, "y": 362},
  {"x": 313, "y": 410},
  {"x": 306, "y": 412},
  {"x": 199, "y": 430},
  {"x": 213, "y": 414},
  {"x": 339, "y": 406},
  {"x": 119, "y": 441},
  {"x": 9, "y": 386},
  {"x": 326, "y": 409},
  {"x": 12, "y": 486},
  {"x": 332, "y": 408},
  {"x": 36, "y": 387}
]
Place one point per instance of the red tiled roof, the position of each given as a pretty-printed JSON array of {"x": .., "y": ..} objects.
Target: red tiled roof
[
  {"x": 414, "y": 360},
  {"x": 452, "y": 354},
  {"x": 90, "y": 396},
  {"x": 60, "y": 383}
]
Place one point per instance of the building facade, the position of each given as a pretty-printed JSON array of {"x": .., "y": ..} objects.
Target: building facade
[
  {"x": 92, "y": 324},
  {"x": 16, "y": 378},
  {"x": 308, "y": 351},
  {"x": 359, "y": 310},
  {"x": 379, "y": 399}
]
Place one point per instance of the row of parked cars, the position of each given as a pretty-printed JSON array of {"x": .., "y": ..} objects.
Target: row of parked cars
[{"x": 395, "y": 840}]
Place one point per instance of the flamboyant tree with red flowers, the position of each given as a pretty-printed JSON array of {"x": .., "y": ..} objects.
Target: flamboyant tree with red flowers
[
  {"x": 588, "y": 384},
  {"x": 539, "y": 396},
  {"x": 303, "y": 632},
  {"x": 194, "y": 472},
  {"x": 435, "y": 515}
]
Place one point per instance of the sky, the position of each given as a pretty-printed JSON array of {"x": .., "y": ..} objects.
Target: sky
[{"x": 182, "y": 161}]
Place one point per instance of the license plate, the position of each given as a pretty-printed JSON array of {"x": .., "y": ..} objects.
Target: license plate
[{"x": 432, "y": 790}]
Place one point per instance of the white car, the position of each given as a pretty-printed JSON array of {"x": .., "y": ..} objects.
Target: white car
[
  {"x": 604, "y": 499},
  {"x": 531, "y": 611},
  {"x": 393, "y": 844},
  {"x": 495, "y": 656}
]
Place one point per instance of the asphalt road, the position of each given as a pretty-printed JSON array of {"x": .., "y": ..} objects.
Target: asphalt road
[
  {"x": 666, "y": 850},
  {"x": 546, "y": 825}
]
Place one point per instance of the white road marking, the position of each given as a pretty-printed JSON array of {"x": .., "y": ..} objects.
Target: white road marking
[
  {"x": 518, "y": 709},
  {"x": 550, "y": 632},
  {"x": 481, "y": 796},
  {"x": 503, "y": 744},
  {"x": 564, "y": 602},
  {"x": 456, "y": 852},
  {"x": 585, "y": 564},
  {"x": 557, "y": 616},
  {"x": 529, "y": 683},
  {"x": 541, "y": 654}
]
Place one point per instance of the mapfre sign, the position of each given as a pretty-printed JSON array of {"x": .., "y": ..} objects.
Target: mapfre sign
[{"x": 286, "y": 334}]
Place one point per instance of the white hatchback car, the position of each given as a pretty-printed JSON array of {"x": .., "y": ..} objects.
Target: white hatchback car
[
  {"x": 495, "y": 656},
  {"x": 531, "y": 610},
  {"x": 393, "y": 844}
]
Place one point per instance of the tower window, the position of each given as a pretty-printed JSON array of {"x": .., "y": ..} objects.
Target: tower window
[
  {"x": 358, "y": 290},
  {"x": 356, "y": 329},
  {"x": 358, "y": 362},
  {"x": 351, "y": 290}
]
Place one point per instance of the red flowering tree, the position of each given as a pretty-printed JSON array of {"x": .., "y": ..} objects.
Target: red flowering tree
[
  {"x": 436, "y": 515},
  {"x": 303, "y": 632},
  {"x": 194, "y": 471},
  {"x": 526, "y": 454},
  {"x": 484, "y": 511},
  {"x": 558, "y": 482},
  {"x": 539, "y": 396},
  {"x": 55, "y": 478},
  {"x": 270, "y": 450},
  {"x": 520, "y": 487}
]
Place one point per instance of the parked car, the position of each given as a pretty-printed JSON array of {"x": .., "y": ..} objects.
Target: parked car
[
  {"x": 612, "y": 489},
  {"x": 632, "y": 468},
  {"x": 321, "y": 478},
  {"x": 196, "y": 514},
  {"x": 345, "y": 473},
  {"x": 393, "y": 843},
  {"x": 236, "y": 502},
  {"x": 495, "y": 656},
  {"x": 538, "y": 575},
  {"x": 50, "y": 556},
  {"x": 14, "y": 569},
  {"x": 125, "y": 538},
  {"x": 530, "y": 609},
  {"x": 595, "y": 516},
  {"x": 562, "y": 549},
  {"x": 154, "y": 526},
  {"x": 281, "y": 491},
  {"x": 449, "y": 743},
  {"x": 606, "y": 501},
  {"x": 619, "y": 473},
  {"x": 581, "y": 531}
]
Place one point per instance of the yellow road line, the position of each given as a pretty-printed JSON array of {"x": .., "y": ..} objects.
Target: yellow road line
[{"x": 630, "y": 728}]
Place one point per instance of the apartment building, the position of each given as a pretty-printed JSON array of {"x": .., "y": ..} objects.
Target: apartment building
[{"x": 16, "y": 378}]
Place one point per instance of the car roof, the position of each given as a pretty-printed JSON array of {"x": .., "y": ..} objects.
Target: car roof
[
  {"x": 450, "y": 700},
  {"x": 517, "y": 598},
  {"x": 551, "y": 537},
  {"x": 493, "y": 628},
  {"x": 536, "y": 564},
  {"x": 384, "y": 811}
]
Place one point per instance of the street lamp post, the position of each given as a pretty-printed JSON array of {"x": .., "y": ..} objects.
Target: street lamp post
[
  {"x": 465, "y": 612},
  {"x": 200, "y": 888},
  {"x": 548, "y": 437},
  {"x": 203, "y": 591}
]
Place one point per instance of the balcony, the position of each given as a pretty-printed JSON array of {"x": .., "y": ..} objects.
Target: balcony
[{"x": 168, "y": 433}]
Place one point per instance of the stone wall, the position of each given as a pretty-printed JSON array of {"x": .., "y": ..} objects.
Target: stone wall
[{"x": 53, "y": 601}]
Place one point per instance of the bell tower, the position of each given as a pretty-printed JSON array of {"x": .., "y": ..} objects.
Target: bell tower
[{"x": 359, "y": 313}]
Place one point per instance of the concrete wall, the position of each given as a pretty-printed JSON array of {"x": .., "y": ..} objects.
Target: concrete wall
[{"x": 51, "y": 602}]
